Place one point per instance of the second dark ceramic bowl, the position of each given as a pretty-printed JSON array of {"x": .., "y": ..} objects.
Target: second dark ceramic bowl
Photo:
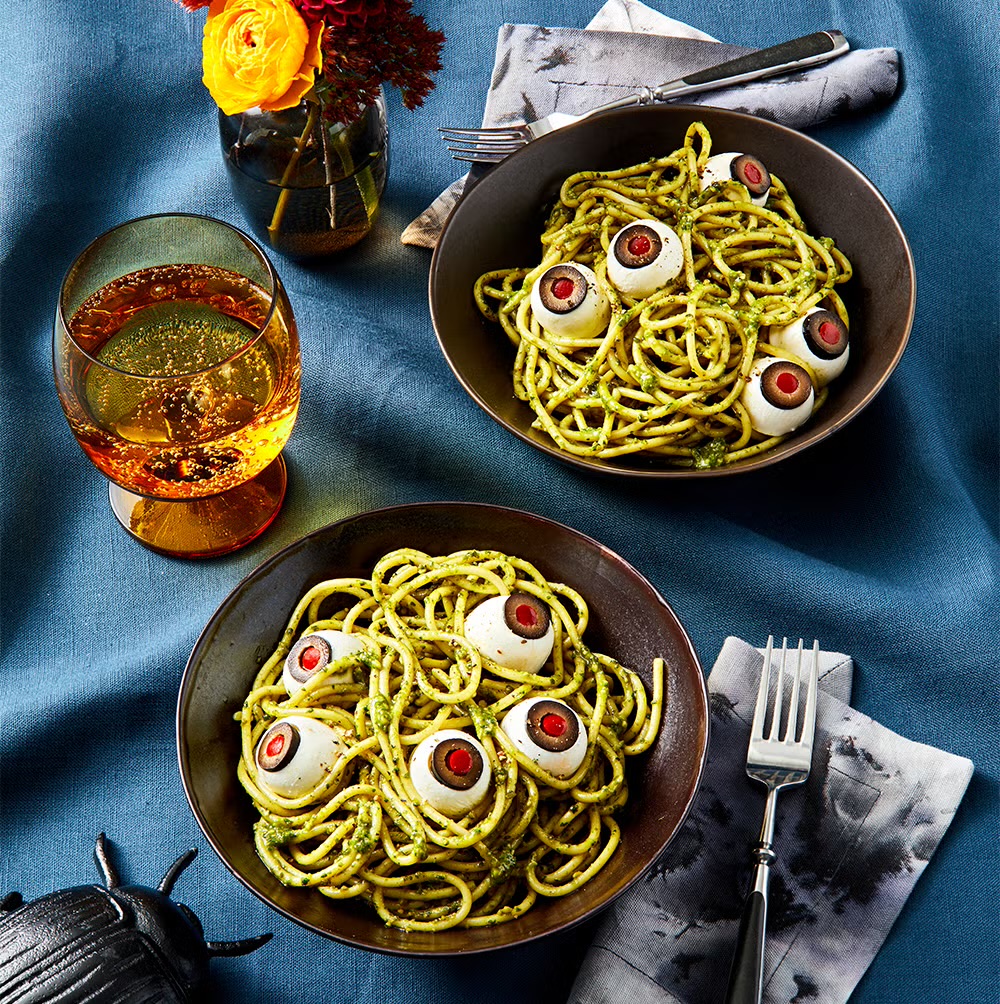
[
  {"x": 498, "y": 223},
  {"x": 629, "y": 620}
]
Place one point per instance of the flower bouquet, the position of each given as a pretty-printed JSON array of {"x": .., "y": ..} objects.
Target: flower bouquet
[{"x": 301, "y": 112}]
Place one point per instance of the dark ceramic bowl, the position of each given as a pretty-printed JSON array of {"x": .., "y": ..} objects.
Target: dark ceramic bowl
[
  {"x": 629, "y": 620},
  {"x": 498, "y": 223}
]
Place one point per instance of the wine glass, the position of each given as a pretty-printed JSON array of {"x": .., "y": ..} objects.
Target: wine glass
[{"x": 176, "y": 358}]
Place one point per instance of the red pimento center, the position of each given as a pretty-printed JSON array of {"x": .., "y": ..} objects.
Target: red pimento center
[
  {"x": 829, "y": 332},
  {"x": 787, "y": 383},
  {"x": 526, "y": 615},
  {"x": 752, "y": 172},
  {"x": 275, "y": 746},
  {"x": 562, "y": 289},
  {"x": 553, "y": 724},
  {"x": 459, "y": 761},
  {"x": 310, "y": 657},
  {"x": 639, "y": 245}
]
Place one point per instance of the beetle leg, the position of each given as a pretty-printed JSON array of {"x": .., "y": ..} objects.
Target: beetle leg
[
  {"x": 174, "y": 871},
  {"x": 104, "y": 862},
  {"x": 243, "y": 947}
]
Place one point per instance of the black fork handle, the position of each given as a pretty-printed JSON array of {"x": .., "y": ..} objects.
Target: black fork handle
[
  {"x": 746, "y": 978},
  {"x": 797, "y": 54}
]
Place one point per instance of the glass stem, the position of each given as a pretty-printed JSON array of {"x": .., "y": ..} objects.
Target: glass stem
[{"x": 300, "y": 145}]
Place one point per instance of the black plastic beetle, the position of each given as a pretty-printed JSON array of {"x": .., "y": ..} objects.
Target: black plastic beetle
[{"x": 108, "y": 944}]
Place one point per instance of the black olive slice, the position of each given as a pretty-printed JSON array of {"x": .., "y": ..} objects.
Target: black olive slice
[
  {"x": 750, "y": 171},
  {"x": 456, "y": 763},
  {"x": 637, "y": 245},
  {"x": 278, "y": 746},
  {"x": 785, "y": 384},
  {"x": 552, "y": 726},
  {"x": 308, "y": 657},
  {"x": 562, "y": 289},
  {"x": 826, "y": 334},
  {"x": 527, "y": 616}
]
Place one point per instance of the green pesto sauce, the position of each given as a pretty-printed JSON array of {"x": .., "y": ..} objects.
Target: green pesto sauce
[
  {"x": 362, "y": 841},
  {"x": 273, "y": 834},
  {"x": 503, "y": 866},
  {"x": 483, "y": 719},
  {"x": 380, "y": 712},
  {"x": 710, "y": 454}
]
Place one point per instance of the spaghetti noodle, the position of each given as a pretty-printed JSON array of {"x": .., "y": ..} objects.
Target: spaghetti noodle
[
  {"x": 364, "y": 831},
  {"x": 665, "y": 377}
]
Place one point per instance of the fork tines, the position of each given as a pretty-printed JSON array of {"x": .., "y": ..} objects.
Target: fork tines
[
  {"x": 483, "y": 145},
  {"x": 760, "y": 710}
]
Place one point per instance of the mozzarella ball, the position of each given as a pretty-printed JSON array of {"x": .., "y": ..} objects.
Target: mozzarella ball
[
  {"x": 644, "y": 256},
  {"x": 741, "y": 167},
  {"x": 569, "y": 302},
  {"x": 515, "y": 631},
  {"x": 296, "y": 753},
  {"x": 820, "y": 338},
  {"x": 450, "y": 770},
  {"x": 778, "y": 396},
  {"x": 313, "y": 653},
  {"x": 550, "y": 733}
]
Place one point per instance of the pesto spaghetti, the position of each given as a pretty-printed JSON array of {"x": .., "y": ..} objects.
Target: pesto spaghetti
[
  {"x": 665, "y": 373},
  {"x": 360, "y": 828}
]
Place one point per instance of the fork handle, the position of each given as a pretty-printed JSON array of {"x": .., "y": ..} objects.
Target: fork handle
[
  {"x": 746, "y": 977},
  {"x": 798, "y": 54}
]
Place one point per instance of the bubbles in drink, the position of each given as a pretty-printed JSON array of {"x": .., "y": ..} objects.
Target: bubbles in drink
[{"x": 186, "y": 389}]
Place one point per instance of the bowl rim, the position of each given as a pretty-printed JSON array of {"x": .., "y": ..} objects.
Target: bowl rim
[
  {"x": 594, "y": 466},
  {"x": 186, "y": 688}
]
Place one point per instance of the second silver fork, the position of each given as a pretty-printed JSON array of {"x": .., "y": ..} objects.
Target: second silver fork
[{"x": 780, "y": 760}]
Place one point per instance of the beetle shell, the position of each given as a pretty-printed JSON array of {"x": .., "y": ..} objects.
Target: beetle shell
[
  {"x": 53, "y": 943},
  {"x": 114, "y": 944}
]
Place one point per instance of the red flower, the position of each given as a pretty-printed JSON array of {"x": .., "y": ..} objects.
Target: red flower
[
  {"x": 340, "y": 13},
  {"x": 194, "y": 4}
]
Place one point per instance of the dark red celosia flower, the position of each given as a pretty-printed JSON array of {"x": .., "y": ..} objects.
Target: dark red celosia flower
[
  {"x": 194, "y": 4},
  {"x": 379, "y": 41},
  {"x": 340, "y": 13}
]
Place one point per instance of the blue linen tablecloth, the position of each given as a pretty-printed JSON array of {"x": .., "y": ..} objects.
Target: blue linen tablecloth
[{"x": 881, "y": 541}]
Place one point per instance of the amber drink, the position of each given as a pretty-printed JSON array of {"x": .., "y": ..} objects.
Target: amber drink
[{"x": 180, "y": 380}]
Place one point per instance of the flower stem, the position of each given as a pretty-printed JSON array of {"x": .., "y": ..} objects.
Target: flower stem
[{"x": 300, "y": 145}]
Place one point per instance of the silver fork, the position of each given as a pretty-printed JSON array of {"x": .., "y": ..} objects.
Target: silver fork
[
  {"x": 777, "y": 762},
  {"x": 490, "y": 146}
]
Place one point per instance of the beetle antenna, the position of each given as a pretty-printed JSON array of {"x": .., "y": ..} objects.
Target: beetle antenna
[
  {"x": 10, "y": 902},
  {"x": 243, "y": 947},
  {"x": 104, "y": 862},
  {"x": 174, "y": 871}
]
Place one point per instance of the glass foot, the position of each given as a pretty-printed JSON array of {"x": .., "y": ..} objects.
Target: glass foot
[{"x": 202, "y": 528}]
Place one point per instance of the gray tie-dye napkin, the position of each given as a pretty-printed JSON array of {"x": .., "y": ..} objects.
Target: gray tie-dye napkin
[
  {"x": 851, "y": 844},
  {"x": 628, "y": 46}
]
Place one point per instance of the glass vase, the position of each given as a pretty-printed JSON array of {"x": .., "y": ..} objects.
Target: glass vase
[{"x": 307, "y": 186}]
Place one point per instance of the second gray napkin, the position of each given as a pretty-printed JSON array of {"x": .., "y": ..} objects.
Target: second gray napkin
[{"x": 851, "y": 844}]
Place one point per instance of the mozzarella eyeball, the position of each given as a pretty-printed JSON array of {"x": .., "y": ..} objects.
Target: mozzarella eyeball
[
  {"x": 778, "y": 396},
  {"x": 568, "y": 301},
  {"x": 741, "y": 167},
  {"x": 644, "y": 257},
  {"x": 548, "y": 732},
  {"x": 295, "y": 754},
  {"x": 450, "y": 770},
  {"x": 820, "y": 338},
  {"x": 313, "y": 653},
  {"x": 515, "y": 631}
]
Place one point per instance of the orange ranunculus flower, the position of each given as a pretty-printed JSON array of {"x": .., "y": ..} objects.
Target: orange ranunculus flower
[{"x": 259, "y": 53}]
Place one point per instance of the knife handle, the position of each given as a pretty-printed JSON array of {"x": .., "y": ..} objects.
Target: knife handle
[{"x": 799, "y": 53}]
